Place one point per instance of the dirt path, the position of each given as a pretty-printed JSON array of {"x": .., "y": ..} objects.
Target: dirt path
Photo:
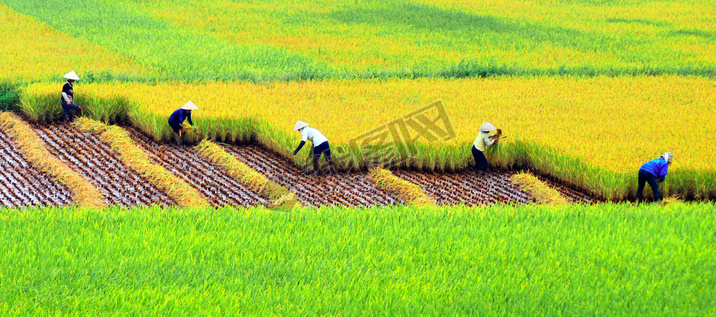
[
  {"x": 96, "y": 161},
  {"x": 21, "y": 185},
  {"x": 211, "y": 181}
]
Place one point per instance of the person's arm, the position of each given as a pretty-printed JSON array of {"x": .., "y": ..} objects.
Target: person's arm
[
  {"x": 65, "y": 96},
  {"x": 188, "y": 118},
  {"x": 487, "y": 140},
  {"x": 299, "y": 147},
  {"x": 304, "y": 138},
  {"x": 663, "y": 170}
]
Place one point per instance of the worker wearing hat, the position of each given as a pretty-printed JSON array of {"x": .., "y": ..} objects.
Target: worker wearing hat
[
  {"x": 320, "y": 146},
  {"x": 177, "y": 119},
  {"x": 67, "y": 98},
  {"x": 483, "y": 140},
  {"x": 654, "y": 172}
]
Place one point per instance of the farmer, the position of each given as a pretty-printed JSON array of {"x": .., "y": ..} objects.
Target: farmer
[
  {"x": 654, "y": 172},
  {"x": 67, "y": 99},
  {"x": 177, "y": 118},
  {"x": 483, "y": 140},
  {"x": 320, "y": 146}
]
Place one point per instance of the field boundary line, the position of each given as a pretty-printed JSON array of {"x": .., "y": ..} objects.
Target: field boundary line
[
  {"x": 543, "y": 193},
  {"x": 84, "y": 194},
  {"x": 138, "y": 160},
  {"x": 409, "y": 192},
  {"x": 279, "y": 195}
]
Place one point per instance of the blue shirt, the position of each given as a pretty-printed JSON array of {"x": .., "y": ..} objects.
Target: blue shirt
[
  {"x": 657, "y": 167},
  {"x": 179, "y": 116}
]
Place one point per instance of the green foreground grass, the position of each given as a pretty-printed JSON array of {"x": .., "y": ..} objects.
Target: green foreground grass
[{"x": 579, "y": 260}]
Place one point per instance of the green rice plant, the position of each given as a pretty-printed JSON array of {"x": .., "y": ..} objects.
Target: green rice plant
[
  {"x": 134, "y": 157},
  {"x": 39, "y": 106},
  {"x": 253, "y": 180},
  {"x": 34, "y": 151},
  {"x": 9, "y": 96},
  {"x": 406, "y": 191},
  {"x": 530, "y": 260}
]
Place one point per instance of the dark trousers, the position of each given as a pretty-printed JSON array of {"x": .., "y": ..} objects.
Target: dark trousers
[
  {"x": 480, "y": 160},
  {"x": 67, "y": 107},
  {"x": 323, "y": 148},
  {"x": 646, "y": 177}
]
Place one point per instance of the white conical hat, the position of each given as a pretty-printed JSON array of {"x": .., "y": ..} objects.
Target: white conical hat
[
  {"x": 299, "y": 125},
  {"x": 72, "y": 75},
  {"x": 487, "y": 127},
  {"x": 668, "y": 156},
  {"x": 189, "y": 106}
]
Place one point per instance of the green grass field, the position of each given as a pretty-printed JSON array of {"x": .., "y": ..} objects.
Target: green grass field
[{"x": 599, "y": 260}]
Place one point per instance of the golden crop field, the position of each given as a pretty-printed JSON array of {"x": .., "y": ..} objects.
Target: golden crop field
[
  {"x": 34, "y": 51},
  {"x": 612, "y": 124},
  {"x": 402, "y": 35},
  {"x": 187, "y": 40},
  {"x": 375, "y": 61}
]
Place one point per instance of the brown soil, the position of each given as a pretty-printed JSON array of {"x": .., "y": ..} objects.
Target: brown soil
[
  {"x": 96, "y": 161},
  {"x": 21, "y": 185},
  {"x": 352, "y": 189},
  {"x": 572, "y": 195},
  {"x": 212, "y": 182},
  {"x": 468, "y": 187}
]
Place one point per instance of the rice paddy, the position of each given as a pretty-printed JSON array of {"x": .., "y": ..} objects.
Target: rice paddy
[{"x": 111, "y": 217}]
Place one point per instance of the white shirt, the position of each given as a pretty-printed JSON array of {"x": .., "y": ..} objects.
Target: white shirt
[
  {"x": 482, "y": 141},
  {"x": 313, "y": 135}
]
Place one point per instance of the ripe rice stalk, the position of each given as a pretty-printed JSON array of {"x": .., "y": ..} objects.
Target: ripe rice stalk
[
  {"x": 519, "y": 105},
  {"x": 542, "y": 193},
  {"x": 134, "y": 157},
  {"x": 287, "y": 201},
  {"x": 253, "y": 180},
  {"x": 34, "y": 151},
  {"x": 408, "y": 192}
]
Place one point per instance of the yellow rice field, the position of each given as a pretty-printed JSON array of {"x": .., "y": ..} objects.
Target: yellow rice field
[
  {"x": 612, "y": 123},
  {"x": 35, "y": 51}
]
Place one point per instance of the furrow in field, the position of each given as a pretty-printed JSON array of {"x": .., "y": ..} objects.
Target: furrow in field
[
  {"x": 210, "y": 180},
  {"x": 348, "y": 189},
  {"x": 96, "y": 161},
  {"x": 468, "y": 187},
  {"x": 22, "y": 185}
]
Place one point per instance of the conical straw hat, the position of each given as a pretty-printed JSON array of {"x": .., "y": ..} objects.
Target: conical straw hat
[
  {"x": 668, "y": 156},
  {"x": 72, "y": 75},
  {"x": 189, "y": 106},
  {"x": 487, "y": 127},
  {"x": 299, "y": 125}
]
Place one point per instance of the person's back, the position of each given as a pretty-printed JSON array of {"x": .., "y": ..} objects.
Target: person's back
[
  {"x": 313, "y": 135},
  {"x": 657, "y": 167},
  {"x": 177, "y": 116}
]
